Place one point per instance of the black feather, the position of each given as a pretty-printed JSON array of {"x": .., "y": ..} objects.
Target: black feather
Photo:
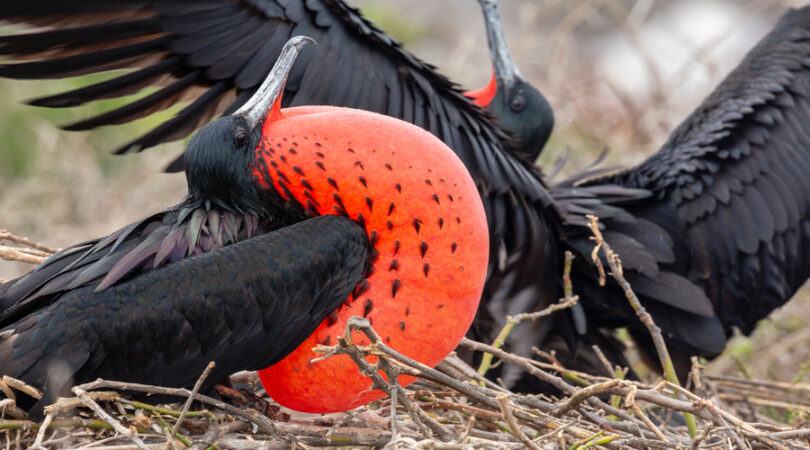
[{"x": 299, "y": 275}]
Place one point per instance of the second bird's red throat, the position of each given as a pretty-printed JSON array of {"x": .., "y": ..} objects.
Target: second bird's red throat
[
  {"x": 424, "y": 218},
  {"x": 483, "y": 97}
]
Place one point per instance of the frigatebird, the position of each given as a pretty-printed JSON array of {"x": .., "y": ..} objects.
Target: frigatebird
[
  {"x": 214, "y": 53},
  {"x": 728, "y": 203},
  {"x": 295, "y": 220}
]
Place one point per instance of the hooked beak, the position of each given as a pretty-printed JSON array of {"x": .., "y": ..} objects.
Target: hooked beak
[
  {"x": 506, "y": 71},
  {"x": 268, "y": 96}
]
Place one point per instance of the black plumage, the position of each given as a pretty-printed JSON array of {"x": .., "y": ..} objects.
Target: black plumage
[
  {"x": 728, "y": 187},
  {"x": 179, "y": 232},
  {"x": 163, "y": 326},
  {"x": 721, "y": 240},
  {"x": 200, "y": 44}
]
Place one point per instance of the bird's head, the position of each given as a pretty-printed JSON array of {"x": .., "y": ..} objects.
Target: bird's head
[
  {"x": 518, "y": 107},
  {"x": 220, "y": 158}
]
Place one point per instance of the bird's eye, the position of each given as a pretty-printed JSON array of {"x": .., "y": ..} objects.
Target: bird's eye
[
  {"x": 239, "y": 138},
  {"x": 518, "y": 102}
]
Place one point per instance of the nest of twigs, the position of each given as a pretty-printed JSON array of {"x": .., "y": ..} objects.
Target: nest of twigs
[{"x": 450, "y": 406}]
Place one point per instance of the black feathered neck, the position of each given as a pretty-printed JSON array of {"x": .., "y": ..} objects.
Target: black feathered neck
[{"x": 220, "y": 161}]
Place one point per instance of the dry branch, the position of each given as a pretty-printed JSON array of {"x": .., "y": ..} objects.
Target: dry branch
[
  {"x": 566, "y": 302},
  {"x": 31, "y": 252},
  {"x": 6, "y": 235},
  {"x": 617, "y": 273}
]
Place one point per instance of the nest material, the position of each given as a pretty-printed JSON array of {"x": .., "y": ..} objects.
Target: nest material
[{"x": 450, "y": 406}]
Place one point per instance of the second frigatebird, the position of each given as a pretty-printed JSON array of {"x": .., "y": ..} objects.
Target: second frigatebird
[
  {"x": 295, "y": 220},
  {"x": 728, "y": 211}
]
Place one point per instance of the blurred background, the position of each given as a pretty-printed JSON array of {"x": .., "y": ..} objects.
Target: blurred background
[{"x": 620, "y": 74}]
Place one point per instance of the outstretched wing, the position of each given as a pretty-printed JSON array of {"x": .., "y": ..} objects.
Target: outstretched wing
[
  {"x": 214, "y": 54},
  {"x": 729, "y": 186}
]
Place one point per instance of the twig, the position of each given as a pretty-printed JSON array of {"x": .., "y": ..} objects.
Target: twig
[
  {"x": 22, "y": 387},
  {"x": 658, "y": 339},
  {"x": 190, "y": 398},
  {"x": 79, "y": 392},
  {"x": 6, "y": 235},
  {"x": 803, "y": 433},
  {"x": 415, "y": 368},
  {"x": 36, "y": 254},
  {"x": 64, "y": 404},
  {"x": 603, "y": 359},
  {"x": 393, "y": 394},
  {"x": 262, "y": 422},
  {"x": 517, "y": 431},
  {"x": 216, "y": 432},
  {"x": 25, "y": 255},
  {"x": 456, "y": 364},
  {"x": 649, "y": 422},
  {"x": 42, "y": 429},
  {"x": 580, "y": 378},
  {"x": 346, "y": 346},
  {"x": 567, "y": 301},
  {"x": 618, "y": 274},
  {"x": 6, "y": 390},
  {"x": 581, "y": 395},
  {"x": 166, "y": 411}
]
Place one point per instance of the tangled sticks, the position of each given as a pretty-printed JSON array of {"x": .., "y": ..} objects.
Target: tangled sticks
[{"x": 451, "y": 406}]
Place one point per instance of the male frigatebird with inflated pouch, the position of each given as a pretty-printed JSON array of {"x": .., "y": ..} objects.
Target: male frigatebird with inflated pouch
[
  {"x": 296, "y": 219},
  {"x": 728, "y": 211}
]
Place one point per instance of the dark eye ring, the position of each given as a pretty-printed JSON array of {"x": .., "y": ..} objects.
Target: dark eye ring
[
  {"x": 240, "y": 138},
  {"x": 518, "y": 102}
]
